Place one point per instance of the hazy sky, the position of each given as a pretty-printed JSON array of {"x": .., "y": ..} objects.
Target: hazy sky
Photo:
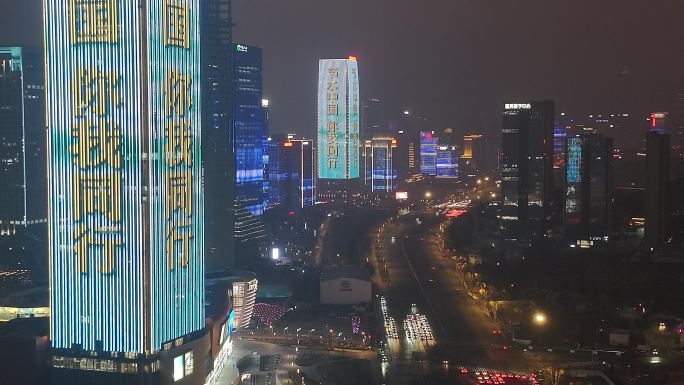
[
  {"x": 452, "y": 61},
  {"x": 455, "y": 61}
]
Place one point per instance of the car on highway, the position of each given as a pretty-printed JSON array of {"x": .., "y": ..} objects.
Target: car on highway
[
  {"x": 433, "y": 268},
  {"x": 431, "y": 280}
]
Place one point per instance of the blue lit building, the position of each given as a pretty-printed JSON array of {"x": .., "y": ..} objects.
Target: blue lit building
[
  {"x": 249, "y": 130},
  {"x": 291, "y": 172},
  {"x": 380, "y": 171},
  {"x": 588, "y": 165},
  {"x": 428, "y": 153},
  {"x": 23, "y": 191},
  {"x": 265, "y": 151},
  {"x": 125, "y": 190}
]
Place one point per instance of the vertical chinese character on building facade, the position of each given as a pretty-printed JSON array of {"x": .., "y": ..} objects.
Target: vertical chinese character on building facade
[
  {"x": 178, "y": 150},
  {"x": 332, "y": 154},
  {"x": 176, "y": 18},
  {"x": 96, "y": 155},
  {"x": 94, "y": 21}
]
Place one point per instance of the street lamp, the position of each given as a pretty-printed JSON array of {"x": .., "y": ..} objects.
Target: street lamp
[
  {"x": 540, "y": 320},
  {"x": 284, "y": 330}
]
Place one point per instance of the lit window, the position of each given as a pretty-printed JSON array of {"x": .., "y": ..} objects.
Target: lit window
[
  {"x": 189, "y": 363},
  {"x": 178, "y": 368}
]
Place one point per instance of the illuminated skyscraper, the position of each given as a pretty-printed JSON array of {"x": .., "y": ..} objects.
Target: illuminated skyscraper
[
  {"x": 447, "y": 162},
  {"x": 588, "y": 166},
  {"x": 428, "y": 153},
  {"x": 291, "y": 172},
  {"x": 380, "y": 170},
  {"x": 338, "y": 127},
  {"x": 658, "y": 120},
  {"x": 249, "y": 131},
  {"x": 472, "y": 158},
  {"x": 265, "y": 151},
  {"x": 23, "y": 191},
  {"x": 527, "y": 168},
  {"x": 125, "y": 191}
]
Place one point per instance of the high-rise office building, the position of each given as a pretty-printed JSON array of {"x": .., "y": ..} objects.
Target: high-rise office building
[
  {"x": 265, "y": 150},
  {"x": 218, "y": 161},
  {"x": 472, "y": 158},
  {"x": 339, "y": 128},
  {"x": 658, "y": 120},
  {"x": 23, "y": 191},
  {"x": 527, "y": 168},
  {"x": 447, "y": 161},
  {"x": 428, "y": 153},
  {"x": 370, "y": 118},
  {"x": 587, "y": 186},
  {"x": 380, "y": 171},
  {"x": 248, "y": 129},
  {"x": 291, "y": 172},
  {"x": 657, "y": 179},
  {"x": 411, "y": 157},
  {"x": 126, "y": 204}
]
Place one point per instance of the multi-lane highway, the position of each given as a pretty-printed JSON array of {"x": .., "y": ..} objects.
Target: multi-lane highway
[{"x": 420, "y": 276}]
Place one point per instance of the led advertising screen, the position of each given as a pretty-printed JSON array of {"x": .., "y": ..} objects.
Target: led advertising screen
[
  {"x": 332, "y": 119},
  {"x": 401, "y": 195},
  {"x": 125, "y": 202},
  {"x": 353, "y": 118},
  {"x": 338, "y": 119}
]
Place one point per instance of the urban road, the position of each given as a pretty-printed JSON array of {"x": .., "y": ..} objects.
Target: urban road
[
  {"x": 420, "y": 276},
  {"x": 419, "y": 279}
]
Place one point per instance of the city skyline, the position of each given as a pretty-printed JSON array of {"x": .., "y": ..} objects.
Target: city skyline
[{"x": 471, "y": 59}]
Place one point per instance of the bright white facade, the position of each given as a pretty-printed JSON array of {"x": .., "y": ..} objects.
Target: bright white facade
[{"x": 345, "y": 285}]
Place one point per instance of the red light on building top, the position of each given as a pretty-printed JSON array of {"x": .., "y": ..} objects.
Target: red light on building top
[
  {"x": 394, "y": 143},
  {"x": 352, "y": 58}
]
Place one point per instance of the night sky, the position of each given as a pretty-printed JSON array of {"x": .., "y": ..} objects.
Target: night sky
[{"x": 453, "y": 61}]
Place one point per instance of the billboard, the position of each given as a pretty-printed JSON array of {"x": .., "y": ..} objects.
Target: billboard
[
  {"x": 125, "y": 201},
  {"x": 338, "y": 119}
]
